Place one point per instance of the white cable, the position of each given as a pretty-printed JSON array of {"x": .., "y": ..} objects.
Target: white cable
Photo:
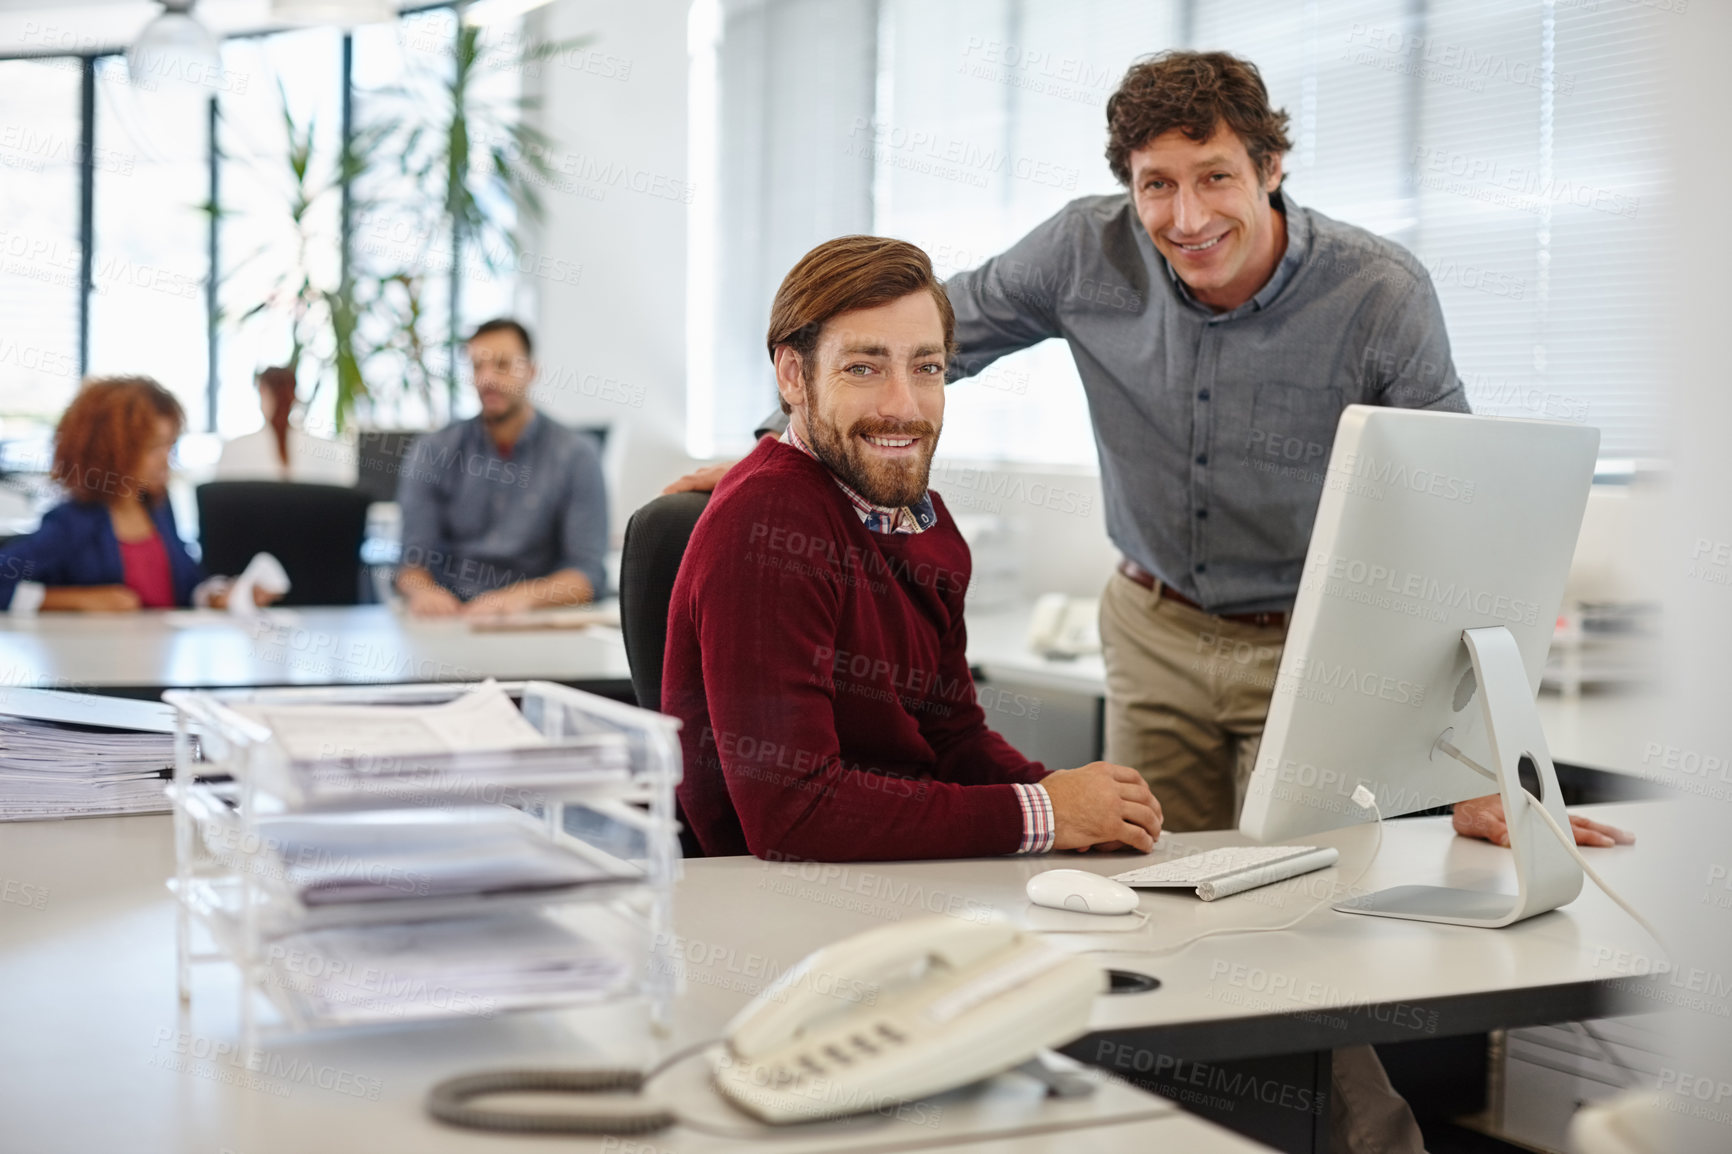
[
  {"x": 1366, "y": 800},
  {"x": 1568, "y": 841},
  {"x": 1132, "y": 930},
  {"x": 512, "y": 1122}
]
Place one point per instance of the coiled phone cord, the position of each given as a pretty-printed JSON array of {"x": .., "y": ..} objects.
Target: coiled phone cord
[{"x": 449, "y": 1100}]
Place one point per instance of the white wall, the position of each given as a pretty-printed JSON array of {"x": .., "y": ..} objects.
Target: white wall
[
  {"x": 1694, "y": 561},
  {"x": 606, "y": 288}
]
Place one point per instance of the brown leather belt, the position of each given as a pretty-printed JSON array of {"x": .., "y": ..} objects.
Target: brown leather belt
[{"x": 1149, "y": 581}]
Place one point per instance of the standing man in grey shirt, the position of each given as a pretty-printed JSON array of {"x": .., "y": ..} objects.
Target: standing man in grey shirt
[{"x": 506, "y": 511}]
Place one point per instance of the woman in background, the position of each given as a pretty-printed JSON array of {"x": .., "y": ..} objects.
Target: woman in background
[
  {"x": 111, "y": 545},
  {"x": 280, "y": 451}
]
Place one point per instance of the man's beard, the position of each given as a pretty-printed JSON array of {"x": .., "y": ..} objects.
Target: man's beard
[
  {"x": 505, "y": 414},
  {"x": 892, "y": 484}
]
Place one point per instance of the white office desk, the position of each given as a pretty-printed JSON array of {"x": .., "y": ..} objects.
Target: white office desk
[
  {"x": 90, "y": 1049},
  {"x": 141, "y": 654},
  {"x": 1608, "y": 730},
  {"x": 1338, "y": 979}
]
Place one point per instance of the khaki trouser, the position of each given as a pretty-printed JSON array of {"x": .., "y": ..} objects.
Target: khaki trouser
[{"x": 1187, "y": 695}]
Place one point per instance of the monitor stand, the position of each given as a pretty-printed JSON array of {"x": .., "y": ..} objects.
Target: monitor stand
[{"x": 1546, "y": 875}]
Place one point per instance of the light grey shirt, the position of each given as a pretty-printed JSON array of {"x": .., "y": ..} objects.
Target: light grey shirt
[
  {"x": 478, "y": 520},
  {"x": 1214, "y": 429}
]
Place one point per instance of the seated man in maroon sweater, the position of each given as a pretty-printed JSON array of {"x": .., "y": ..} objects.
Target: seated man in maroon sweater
[{"x": 816, "y": 649}]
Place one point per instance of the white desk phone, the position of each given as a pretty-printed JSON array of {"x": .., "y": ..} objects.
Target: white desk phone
[
  {"x": 946, "y": 1003},
  {"x": 897, "y": 1013},
  {"x": 1062, "y": 626}
]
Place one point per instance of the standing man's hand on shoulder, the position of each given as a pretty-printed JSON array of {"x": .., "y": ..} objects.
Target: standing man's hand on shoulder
[
  {"x": 1101, "y": 804},
  {"x": 702, "y": 480}
]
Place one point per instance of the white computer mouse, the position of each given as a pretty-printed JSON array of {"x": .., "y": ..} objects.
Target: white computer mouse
[{"x": 1081, "y": 891}]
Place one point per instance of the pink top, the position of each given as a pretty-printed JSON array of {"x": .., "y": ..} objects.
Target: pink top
[{"x": 144, "y": 565}]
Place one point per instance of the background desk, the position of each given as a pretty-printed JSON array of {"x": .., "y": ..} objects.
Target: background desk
[
  {"x": 1596, "y": 739},
  {"x": 142, "y": 654},
  {"x": 92, "y": 1026}
]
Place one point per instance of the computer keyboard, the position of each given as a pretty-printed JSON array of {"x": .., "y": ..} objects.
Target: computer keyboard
[{"x": 1232, "y": 869}]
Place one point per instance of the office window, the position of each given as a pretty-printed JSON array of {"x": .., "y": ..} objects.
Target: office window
[
  {"x": 262, "y": 250},
  {"x": 40, "y": 151},
  {"x": 1605, "y": 199},
  {"x": 401, "y": 76},
  {"x": 988, "y": 120},
  {"x": 398, "y": 71},
  {"x": 150, "y": 237},
  {"x": 150, "y": 249},
  {"x": 1512, "y": 147}
]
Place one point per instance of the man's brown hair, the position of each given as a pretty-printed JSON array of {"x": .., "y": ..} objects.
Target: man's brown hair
[
  {"x": 850, "y": 272},
  {"x": 103, "y": 433},
  {"x": 1193, "y": 92}
]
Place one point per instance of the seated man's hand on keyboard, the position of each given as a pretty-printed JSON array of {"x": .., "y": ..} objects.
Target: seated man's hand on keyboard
[
  {"x": 1483, "y": 817},
  {"x": 1104, "y": 806}
]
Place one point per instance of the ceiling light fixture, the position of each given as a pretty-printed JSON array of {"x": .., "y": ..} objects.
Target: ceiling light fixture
[{"x": 175, "y": 53}]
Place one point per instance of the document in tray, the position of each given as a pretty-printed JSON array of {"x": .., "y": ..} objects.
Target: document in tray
[
  {"x": 476, "y": 965},
  {"x": 420, "y": 854},
  {"x": 483, "y": 719}
]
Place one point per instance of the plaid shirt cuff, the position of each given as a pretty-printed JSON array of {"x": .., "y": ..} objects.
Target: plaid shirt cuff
[{"x": 1037, "y": 822}]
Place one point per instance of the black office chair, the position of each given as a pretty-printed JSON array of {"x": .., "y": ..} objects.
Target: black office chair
[
  {"x": 380, "y": 457},
  {"x": 314, "y": 530},
  {"x": 655, "y": 540}
]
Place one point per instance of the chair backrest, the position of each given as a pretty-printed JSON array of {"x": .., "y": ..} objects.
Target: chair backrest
[
  {"x": 314, "y": 530},
  {"x": 655, "y": 540},
  {"x": 380, "y": 455},
  {"x": 599, "y": 432}
]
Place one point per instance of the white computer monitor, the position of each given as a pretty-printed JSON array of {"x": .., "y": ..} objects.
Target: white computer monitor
[{"x": 1426, "y": 607}]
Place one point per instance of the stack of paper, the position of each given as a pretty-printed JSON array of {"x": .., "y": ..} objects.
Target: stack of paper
[
  {"x": 476, "y": 746},
  {"x": 419, "y": 854},
  {"x": 476, "y": 965},
  {"x": 82, "y": 755}
]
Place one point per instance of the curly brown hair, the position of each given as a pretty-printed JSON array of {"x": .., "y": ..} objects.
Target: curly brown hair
[
  {"x": 103, "y": 433},
  {"x": 1193, "y": 92},
  {"x": 847, "y": 273}
]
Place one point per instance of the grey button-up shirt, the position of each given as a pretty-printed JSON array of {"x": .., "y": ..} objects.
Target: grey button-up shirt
[
  {"x": 479, "y": 520},
  {"x": 1214, "y": 429}
]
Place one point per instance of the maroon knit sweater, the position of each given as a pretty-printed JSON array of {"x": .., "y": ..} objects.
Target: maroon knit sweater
[{"x": 820, "y": 672}]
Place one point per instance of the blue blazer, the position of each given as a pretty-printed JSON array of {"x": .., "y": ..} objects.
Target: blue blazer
[{"x": 75, "y": 545}]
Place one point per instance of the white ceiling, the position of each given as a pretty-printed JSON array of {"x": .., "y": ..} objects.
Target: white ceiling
[{"x": 46, "y": 27}]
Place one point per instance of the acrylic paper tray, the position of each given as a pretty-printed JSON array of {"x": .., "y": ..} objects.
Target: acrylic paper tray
[
  {"x": 231, "y": 852},
  {"x": 602, "y": 790},
  {"x": 589, "y": 749},
  {"x": 288, "y": 977}
]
